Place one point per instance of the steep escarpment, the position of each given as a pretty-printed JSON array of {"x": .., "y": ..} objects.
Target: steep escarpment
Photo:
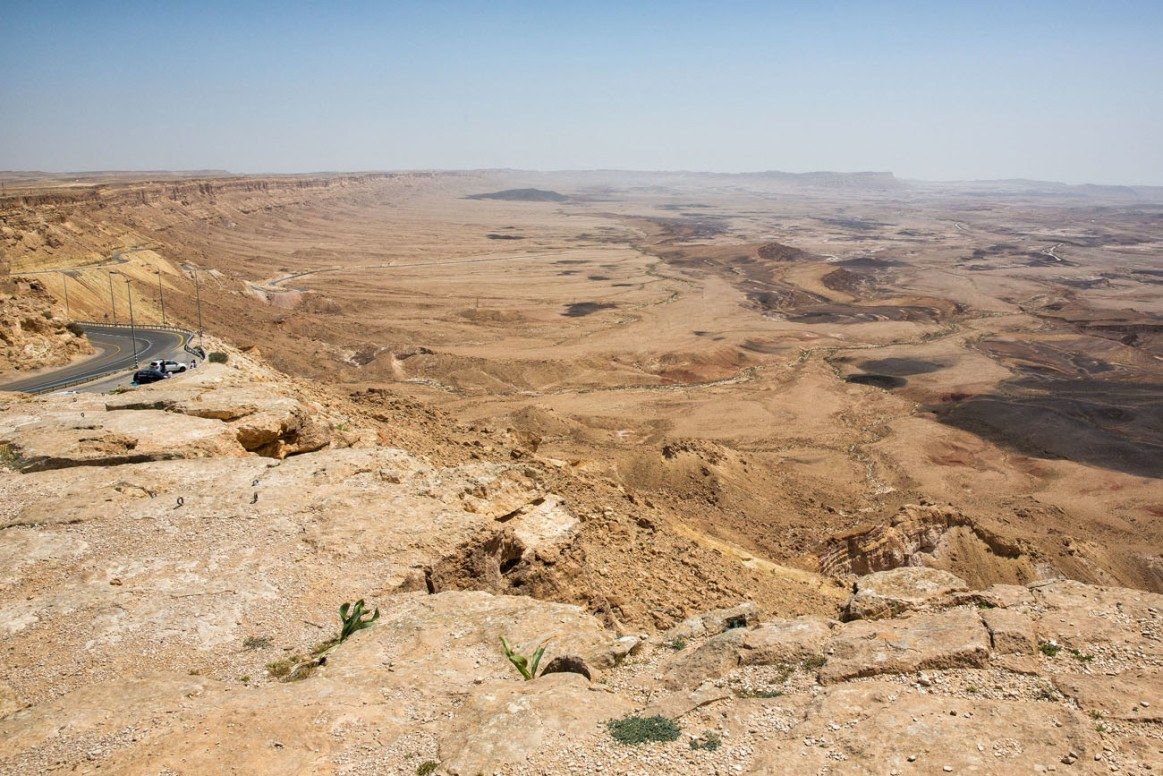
[{"x": 32, "y": 333}]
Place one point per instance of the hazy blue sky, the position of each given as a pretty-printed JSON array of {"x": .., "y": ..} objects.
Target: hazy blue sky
[{"x": 1063, "y": 90}]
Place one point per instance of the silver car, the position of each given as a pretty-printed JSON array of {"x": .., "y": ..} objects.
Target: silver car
[{"x": 167, "y": 367}]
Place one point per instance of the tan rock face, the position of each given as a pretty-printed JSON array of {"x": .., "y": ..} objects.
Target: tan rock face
[
  {"x": 881, "y": 728},
  {"x": 785, "y": 641},
  {"x": 503, "y": 724},
  {"x": 1009, "y": 631},
  {"x": 66, "y": 438},
  {"x": 1133, "y": 695},
  {"x": 952, "y": 639},
  {"x": 264, "y": 419},
  {"x": 903, "y": 589},
  {"x": 32, "y": 336}
]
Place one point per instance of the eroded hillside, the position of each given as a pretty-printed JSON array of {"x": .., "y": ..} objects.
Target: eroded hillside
[{"x": 175, "y": 556}]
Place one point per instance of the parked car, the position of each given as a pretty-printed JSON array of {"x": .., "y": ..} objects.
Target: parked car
[
  {"x": 167, "y": 366},
  {"x": 143, "y": 376}
]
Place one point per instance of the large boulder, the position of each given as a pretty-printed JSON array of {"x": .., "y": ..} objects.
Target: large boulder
[
  {"x": 62, "y": 438},
  {"x": 954, "y": 638},
  {"x": 715, "y": 621},
  {"x": 785, "y": 641},
  {"x": 890, "y": 593},
  {"x": 265, "y": 419}
]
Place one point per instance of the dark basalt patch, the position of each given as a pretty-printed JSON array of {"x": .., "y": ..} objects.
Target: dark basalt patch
[
  {"x": 1115, "y": 425},
  {"x": 579, "y": 309},
  {"x": 867, "y": 262},
  {"x": 760, "y": 346},
  {"x": 845, "y": 314},
  {"x": 522, "y": 195},
  {"x": 901, "y": 367},
  {"x": 774, "y": 251},
  {"x": 887, "y": 382}
]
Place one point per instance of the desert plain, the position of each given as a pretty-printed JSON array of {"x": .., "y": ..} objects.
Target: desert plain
[{"x": 751, "y": 386}]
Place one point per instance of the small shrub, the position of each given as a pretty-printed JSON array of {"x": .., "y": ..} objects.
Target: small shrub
[
  {"x": 971, "y": 689},
  {"x": 985, "y": 605},
  {"x": 323, "y": 646},
  {"x": 426, "y": 768},
  {"x": 75, "y": 329},
  {"x": 813, "y": 663},
  {"x": 280, "y": 668},
  {"x": 1081, "y": 657},
  {"x": 244, "y": 679},
  {"x": 676, "y": 643},
  {"x": 256, "y": 642},
  {"x": 709, "y": 741},
  {"x": 303, "y": 670},
  {"x": 526, "y": 666},
  {"x": 634, "y": 730},
  {"x": 1049, "y": 648},
  {"x": 9, "y": 459},
  {"x": 1095, "y": 714},
  {"x": 1100, "y": 728},
  {"x": 760, "y": 693},
  {"x": 217, "y": 357}
]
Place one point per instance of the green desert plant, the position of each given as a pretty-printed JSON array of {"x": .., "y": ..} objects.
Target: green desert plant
[
  {"x": 1049, "y": 648},
  {"x": 676, "y": 643},
  {"x": 639, "y": 730},
  {"x": 426, "y": 768},
  {"x": 354, "y": 618},
  {"x": 708, "y": 741},
  {"x": 759, "y": 693},
  {"x": 296, "y": 667},
  {"x": 813, "y": 662},
  {"x": 9, "y": 459},
  {"x": 281, "y": 668},
  {"x": 527, "y": 666},
  {"x": 217, "y": 357}
]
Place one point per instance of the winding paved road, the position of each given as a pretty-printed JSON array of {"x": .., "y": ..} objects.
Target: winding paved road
[{"x": 115, "y": 354}]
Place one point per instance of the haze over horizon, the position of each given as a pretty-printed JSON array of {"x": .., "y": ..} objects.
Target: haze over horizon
[{"x": 1066, "y": 92}]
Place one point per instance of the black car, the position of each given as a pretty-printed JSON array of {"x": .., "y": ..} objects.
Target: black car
[{"x": 143, "y": 376}]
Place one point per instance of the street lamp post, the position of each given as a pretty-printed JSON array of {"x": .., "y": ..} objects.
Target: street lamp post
[
  {"x": 132, "y": 330},
  {"x": 198, "y": 293},
  {"x": 65, "y": 283},
  {"x": 161, "y": 297},
  {"x": 112, "y": 299}
]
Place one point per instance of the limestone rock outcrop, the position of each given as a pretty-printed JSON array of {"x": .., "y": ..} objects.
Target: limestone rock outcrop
[{"x": 169, "y": 596}]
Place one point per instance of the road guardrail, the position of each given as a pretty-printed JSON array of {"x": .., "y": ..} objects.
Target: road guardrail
[{"x": 61, "y": 385}]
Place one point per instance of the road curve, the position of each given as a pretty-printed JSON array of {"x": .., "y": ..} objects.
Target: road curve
[{"x": 116, "y": 354}]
